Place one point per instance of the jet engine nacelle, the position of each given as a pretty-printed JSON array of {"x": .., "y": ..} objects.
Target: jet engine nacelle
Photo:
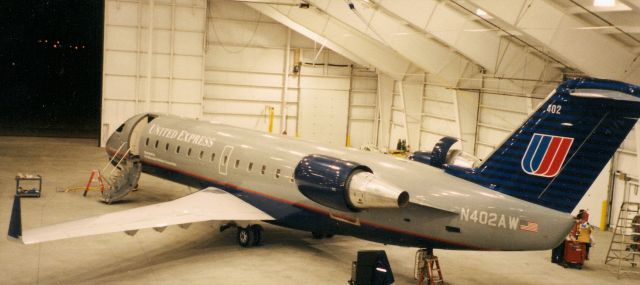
[
  {"x": 345, "y": 185},
  {"x": 442, "y": 155}
]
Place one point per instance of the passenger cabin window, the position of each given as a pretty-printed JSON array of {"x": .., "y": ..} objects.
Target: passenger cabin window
[
  {"x": 178, "y": 149},
  {"x": 146, "y": 142},
  {"x": 263, "y": 170},
  {"x": 225, "y": 159},
  {"x": 201, "y": 154},
  {"x": 250, "y": 166},
  {"x": 189, "y": 152},
  {"x": 278, "y": 173},
  {"x": 213, "y": 156},
  {"x": 156, "y": 144},
  {"x": 237, "y": 163},
  {"x": 166, "y": 147}
]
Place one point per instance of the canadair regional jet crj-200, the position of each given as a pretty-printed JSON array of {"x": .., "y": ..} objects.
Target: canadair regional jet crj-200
[{"x": 519, "y": 198}]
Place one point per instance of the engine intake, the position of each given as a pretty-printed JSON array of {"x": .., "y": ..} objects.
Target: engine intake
[{"x": 345, "y": 185}]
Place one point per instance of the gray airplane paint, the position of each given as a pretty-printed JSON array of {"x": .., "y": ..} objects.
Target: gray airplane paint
[{"x": 445, "y": 211}]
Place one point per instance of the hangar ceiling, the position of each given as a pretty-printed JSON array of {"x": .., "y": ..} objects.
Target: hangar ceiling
[{"x": 523, "y": 40}]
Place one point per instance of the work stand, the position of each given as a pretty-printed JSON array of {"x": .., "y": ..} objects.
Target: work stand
[{"x": 427, "y": 268}]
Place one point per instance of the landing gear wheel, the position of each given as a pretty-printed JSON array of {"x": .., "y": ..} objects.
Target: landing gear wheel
[
  {"x": 246, "y": 237},
  {"x": 257, "y": 233}
]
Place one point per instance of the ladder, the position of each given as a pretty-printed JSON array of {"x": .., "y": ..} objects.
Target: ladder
[
  {"x": 427, "y": 268},
  {"x": 123, "y": 176},
  {"x": 625, "y": 244}
]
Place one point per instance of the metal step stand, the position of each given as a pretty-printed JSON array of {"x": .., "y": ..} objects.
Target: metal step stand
[
  {"x": 427, "y": 267},
  {"x": 625, "y": 244},
  {"x": 123, "y": 177}
]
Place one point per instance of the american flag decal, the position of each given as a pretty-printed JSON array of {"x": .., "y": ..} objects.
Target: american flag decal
[{"x": 529, "y": 226}]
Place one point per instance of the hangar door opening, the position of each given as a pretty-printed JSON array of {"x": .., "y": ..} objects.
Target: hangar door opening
[{"x": 53, "y": 84}]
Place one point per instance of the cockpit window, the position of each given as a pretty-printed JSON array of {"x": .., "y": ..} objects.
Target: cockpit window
[{"x": 119, "y": 129}]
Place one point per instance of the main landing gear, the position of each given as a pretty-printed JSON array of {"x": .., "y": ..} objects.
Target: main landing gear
[{"x": 248, "y": 236}]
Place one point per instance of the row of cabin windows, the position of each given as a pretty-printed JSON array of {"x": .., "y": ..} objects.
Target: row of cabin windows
[{"x": 263, "y": 170}]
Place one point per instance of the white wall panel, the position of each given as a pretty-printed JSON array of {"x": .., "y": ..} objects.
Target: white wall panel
[
  {"x": 251, "y": 58},
  {"x": 120, "y": 38},
  {"x": 120, "y": 63},
  {"x": 159, "y": 89},
  {"x": 177, "y": 55},
  {"x": 161, "y": 16},
  {"x": 161, "y": 41},
  {"x": 121, "y": 87},
  {"x": 241, "y": 78},
  {"x": 248, "y": 93},
  {"x": 187, "y": 91},
  {"x": 121, "y": 13},
  {"x": 189, "y": 19},
  {"x": 183, "y": 67},
  {"x": 188, "y": 43}
]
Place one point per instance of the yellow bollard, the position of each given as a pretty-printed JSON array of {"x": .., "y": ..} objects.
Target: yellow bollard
[
  {"x": 603, "y": 216},
  {"x": 270, "y": 119}
]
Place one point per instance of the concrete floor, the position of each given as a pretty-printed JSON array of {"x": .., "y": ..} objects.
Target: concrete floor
[{"x": 202, "y": 255}]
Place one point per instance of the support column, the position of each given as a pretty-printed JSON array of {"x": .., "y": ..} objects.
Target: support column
[
  {"x": 147, "y": 103},
  {"x": 285, "y": 87}
]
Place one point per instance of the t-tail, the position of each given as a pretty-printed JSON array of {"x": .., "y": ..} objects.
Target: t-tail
[{"x": 558, "y": 152}]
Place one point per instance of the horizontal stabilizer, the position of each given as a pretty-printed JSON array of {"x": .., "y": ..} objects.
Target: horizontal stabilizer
[{"x": 210, "y": 204}]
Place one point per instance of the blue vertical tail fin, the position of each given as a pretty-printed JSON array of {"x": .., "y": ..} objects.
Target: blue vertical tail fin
[{"x": 558, "y": 152}]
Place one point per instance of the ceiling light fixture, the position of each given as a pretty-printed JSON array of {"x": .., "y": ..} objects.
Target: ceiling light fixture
[
  {"x": 604, "y": 3},
  {"x": 482, "y": 14}
]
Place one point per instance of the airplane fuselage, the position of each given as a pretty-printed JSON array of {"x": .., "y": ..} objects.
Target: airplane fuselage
[{"x": 259, "y": 168}]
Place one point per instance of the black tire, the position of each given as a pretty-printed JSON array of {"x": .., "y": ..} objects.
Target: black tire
[
  {"x": 317, "y": 235},
  {"x": 246, "y": 237},
  {"x": 328, "y": 235},
  {"x": 257, "y": 232}
]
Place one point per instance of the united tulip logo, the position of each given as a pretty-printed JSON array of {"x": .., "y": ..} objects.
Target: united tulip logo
[{"x": 545, "y": 155}]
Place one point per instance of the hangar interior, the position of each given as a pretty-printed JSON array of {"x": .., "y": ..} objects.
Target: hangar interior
[
  {"x": 353, "y": 73},
  {"x": 342, "y": 72}
]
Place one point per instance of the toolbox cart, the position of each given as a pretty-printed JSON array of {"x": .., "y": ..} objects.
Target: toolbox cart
[{"x": 28, "y": 185}]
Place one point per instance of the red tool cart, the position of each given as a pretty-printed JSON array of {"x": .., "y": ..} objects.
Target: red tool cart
[{"x": 574, "y": 254}]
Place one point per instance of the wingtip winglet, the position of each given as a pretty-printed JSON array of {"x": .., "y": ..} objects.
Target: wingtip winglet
[{"x": 15, "y": 224}]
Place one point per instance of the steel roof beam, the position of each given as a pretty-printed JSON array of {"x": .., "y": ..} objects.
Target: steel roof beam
[
  {"x": 341, "y": 38},
  {"x": 564, "y": 34}
]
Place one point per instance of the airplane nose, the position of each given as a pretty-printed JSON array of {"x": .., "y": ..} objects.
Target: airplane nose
[{"x": 114, "y": 142}]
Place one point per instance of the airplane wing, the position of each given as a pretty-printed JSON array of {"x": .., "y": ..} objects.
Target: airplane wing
[{"x": 205, "y": 205}]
